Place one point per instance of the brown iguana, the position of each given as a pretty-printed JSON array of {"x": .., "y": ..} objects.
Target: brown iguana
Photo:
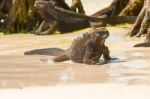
[
  {"x": 87, "y": 48},
  {"x": 64, "y": 20}
]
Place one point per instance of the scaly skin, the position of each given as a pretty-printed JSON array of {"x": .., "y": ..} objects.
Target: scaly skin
[{"x": 87, "y": 49}]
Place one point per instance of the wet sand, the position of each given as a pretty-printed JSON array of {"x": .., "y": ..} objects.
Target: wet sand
[{"x": 128, "y": 76}]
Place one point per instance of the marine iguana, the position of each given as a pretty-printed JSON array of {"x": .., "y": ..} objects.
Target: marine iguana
[
  {"x": 87, "y": 49},
  {"x": 63, "y": 20}
]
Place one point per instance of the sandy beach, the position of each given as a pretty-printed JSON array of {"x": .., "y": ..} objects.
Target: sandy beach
[
  {"x": 127, "y": 76},
  {"x": 26, "y": 77}
]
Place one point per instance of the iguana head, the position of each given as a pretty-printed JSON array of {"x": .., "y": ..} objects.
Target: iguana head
[
  {"x": 103, "y": 32},
  {"x": 43, "y": 4},
  {"x": 99, "y": 35}
]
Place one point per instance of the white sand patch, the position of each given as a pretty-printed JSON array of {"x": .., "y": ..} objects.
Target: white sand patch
[
  {"x": 69, "y": 62},
  {"x": 137, "y": 54},
  {"x": 137, "y": 64},
  {"x": 87, "y": 91},
  {"x": 64, "y": 77},
  {"x": 50, "y": 61},
  {"x": 126, "y": 79},
  {"x": 113, "y": 72},
  {"x": 121, "y": 55},
  {"x": 114, "y": 65},
  {"x": 131, "y": 43}
]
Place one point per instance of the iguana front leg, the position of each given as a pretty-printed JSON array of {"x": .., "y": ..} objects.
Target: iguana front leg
[
  {"x": 40, "y": 27},
  {"x": 51, "y": 28},
  {"x": 106, "y": 53},
  {"x": 87, "y": 59}
]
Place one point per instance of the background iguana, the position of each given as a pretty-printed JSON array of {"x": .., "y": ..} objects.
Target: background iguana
[{"x": 63, "y": 20}]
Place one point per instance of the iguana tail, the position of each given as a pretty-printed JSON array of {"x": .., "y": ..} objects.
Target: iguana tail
[
  {"x": 61, "y": 58},
  {"x": 47, "y": 51},
  {"x": 115, "y": 20}
]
